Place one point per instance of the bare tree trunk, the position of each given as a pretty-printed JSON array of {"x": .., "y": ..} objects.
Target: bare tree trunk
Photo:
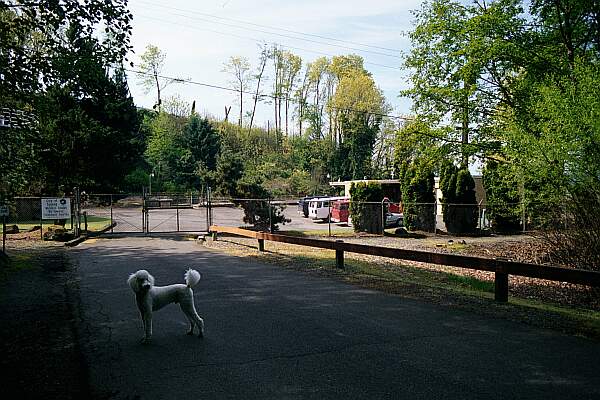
[
  {"x": 301, "y": 101},
  {"x": 279, "y": 112},
  {"x": 287, "y": 106},
  {"x": 259, "y": 78},
  {"x": 158, "y": 101},
  {"x": 317, "y": 84},
  {"x": 276, "y": 88},
  {"x": 241, "y": 106}
]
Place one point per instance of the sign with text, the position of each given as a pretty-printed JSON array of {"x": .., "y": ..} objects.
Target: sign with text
[
  {"x": 56, "y": 208},
  {"x": 3, "y": 211}
]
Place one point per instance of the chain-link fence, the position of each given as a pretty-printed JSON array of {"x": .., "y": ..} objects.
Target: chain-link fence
[
  {"x": 25, "y": 216},
  {"x": 342, "y": 214},
  {"x": 195, "y": 212}
]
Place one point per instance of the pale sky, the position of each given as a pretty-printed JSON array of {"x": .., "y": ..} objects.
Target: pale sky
[{"x": 198, "y": 37}]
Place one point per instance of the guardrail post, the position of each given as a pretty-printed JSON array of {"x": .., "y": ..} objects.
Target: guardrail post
[
  {"x": 500, "y": 282},
  {"x": 501, "y": 287},
  {"x": 339, "y": 256},
  {"x": 261, "y": 244}
]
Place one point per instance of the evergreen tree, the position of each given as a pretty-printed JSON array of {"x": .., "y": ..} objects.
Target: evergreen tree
[
  {"x": 366, "y": 207},
  {"x": 459, "y": 204},
  {"x": 418, "y": 198}
]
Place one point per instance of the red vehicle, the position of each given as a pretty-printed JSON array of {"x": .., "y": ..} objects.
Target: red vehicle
[
  {"x": 339, "y": 211},
  {"x": 393, "y": 207}
]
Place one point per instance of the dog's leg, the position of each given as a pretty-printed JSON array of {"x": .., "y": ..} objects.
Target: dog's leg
[
  {"x": 189, "y": 310},
  {"x": 147, "y": 318},
  {"x": 200, "y": 323},
  {"x": 191, "y": 331}
]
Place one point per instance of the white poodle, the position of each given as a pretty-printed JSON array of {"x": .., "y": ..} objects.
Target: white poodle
[{"x": 150, "y": 298}]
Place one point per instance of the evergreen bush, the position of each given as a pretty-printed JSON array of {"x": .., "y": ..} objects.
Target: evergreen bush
[
  {"x": 459, "y": 204},
  {"x": 503, "y": 206},
  {"x": 365, "y": 207},
  {"x": 418, "y": 199}
]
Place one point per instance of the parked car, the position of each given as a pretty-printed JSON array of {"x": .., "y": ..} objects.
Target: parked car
[
  {"x": 340, "y": 210},
  {"x": 393, "y": 207},
  {"x": 318, "y": 208},
  {"x": 394, "y": 220},
  {"x": 303, "y": 204}
]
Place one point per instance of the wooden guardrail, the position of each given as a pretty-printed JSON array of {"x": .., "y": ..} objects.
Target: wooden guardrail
[{"x": 502, "y": 268}]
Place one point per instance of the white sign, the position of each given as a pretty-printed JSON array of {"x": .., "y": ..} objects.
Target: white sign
[
  {"x": 56, "y": 208},
  {"x": 3, "y": 211}
]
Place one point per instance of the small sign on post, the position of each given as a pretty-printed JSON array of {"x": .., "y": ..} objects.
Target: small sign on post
[{"x": 56, "y": 208}]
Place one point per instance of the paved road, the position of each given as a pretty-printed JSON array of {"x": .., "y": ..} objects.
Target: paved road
[{"x": 278, "y": 334}]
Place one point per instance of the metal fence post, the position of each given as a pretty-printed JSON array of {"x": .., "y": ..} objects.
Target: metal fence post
[
  {"x": 329, "y": 218},
  {"x": 206, "y": 205},
  {"x": 111, "y": 215},
  {"x": 382, "y": 218},
  {"x": 270, "y": 218},
  {"x": 77, "y": 212},
  {"x": 210, "y": 211},
  {"x": 42, "y": 223},
  {"x": 177, "y": 211}
]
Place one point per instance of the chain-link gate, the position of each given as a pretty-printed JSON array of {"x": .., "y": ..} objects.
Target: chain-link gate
[{"x": 175, "y": 212}]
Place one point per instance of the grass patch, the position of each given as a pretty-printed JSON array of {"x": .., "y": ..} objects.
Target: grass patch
[
  {"x": 470, "y": 283},
  {"x": 16, "y": 262},
  {"x": 95, "y": 223},
  {"x": 589, "y": 320}
]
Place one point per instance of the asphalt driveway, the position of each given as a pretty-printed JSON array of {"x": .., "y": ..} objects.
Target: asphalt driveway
[{"x": 273, "y": 333}]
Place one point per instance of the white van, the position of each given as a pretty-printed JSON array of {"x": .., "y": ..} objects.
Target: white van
[{"x": 318, "y": 208}]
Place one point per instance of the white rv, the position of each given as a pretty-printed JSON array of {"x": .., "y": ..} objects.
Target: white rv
[{"x": 319, "y": 207}]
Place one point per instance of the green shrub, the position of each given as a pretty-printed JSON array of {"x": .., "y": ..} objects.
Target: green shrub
[
  {"x": 418, "y": 199},
  {"x": 365, "y": 207},
  {"x": 458, "y": 203},
  {"x": 257, "y": 211},
  {"x": 503, "y": 204}
]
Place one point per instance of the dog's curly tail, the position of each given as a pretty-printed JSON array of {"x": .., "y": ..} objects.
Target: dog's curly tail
[{"x": 192, "y": 277}]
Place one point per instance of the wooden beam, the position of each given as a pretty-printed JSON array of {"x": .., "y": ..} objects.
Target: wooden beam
[{"x": 560, "y": 274}]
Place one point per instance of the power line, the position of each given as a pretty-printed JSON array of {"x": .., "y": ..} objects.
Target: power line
[
  {"x": 280, "y": 29},
  {"x": 288, "y": 36},
  {"x": 256, "y": 40},
  {"x": 291, "y": 100}
]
